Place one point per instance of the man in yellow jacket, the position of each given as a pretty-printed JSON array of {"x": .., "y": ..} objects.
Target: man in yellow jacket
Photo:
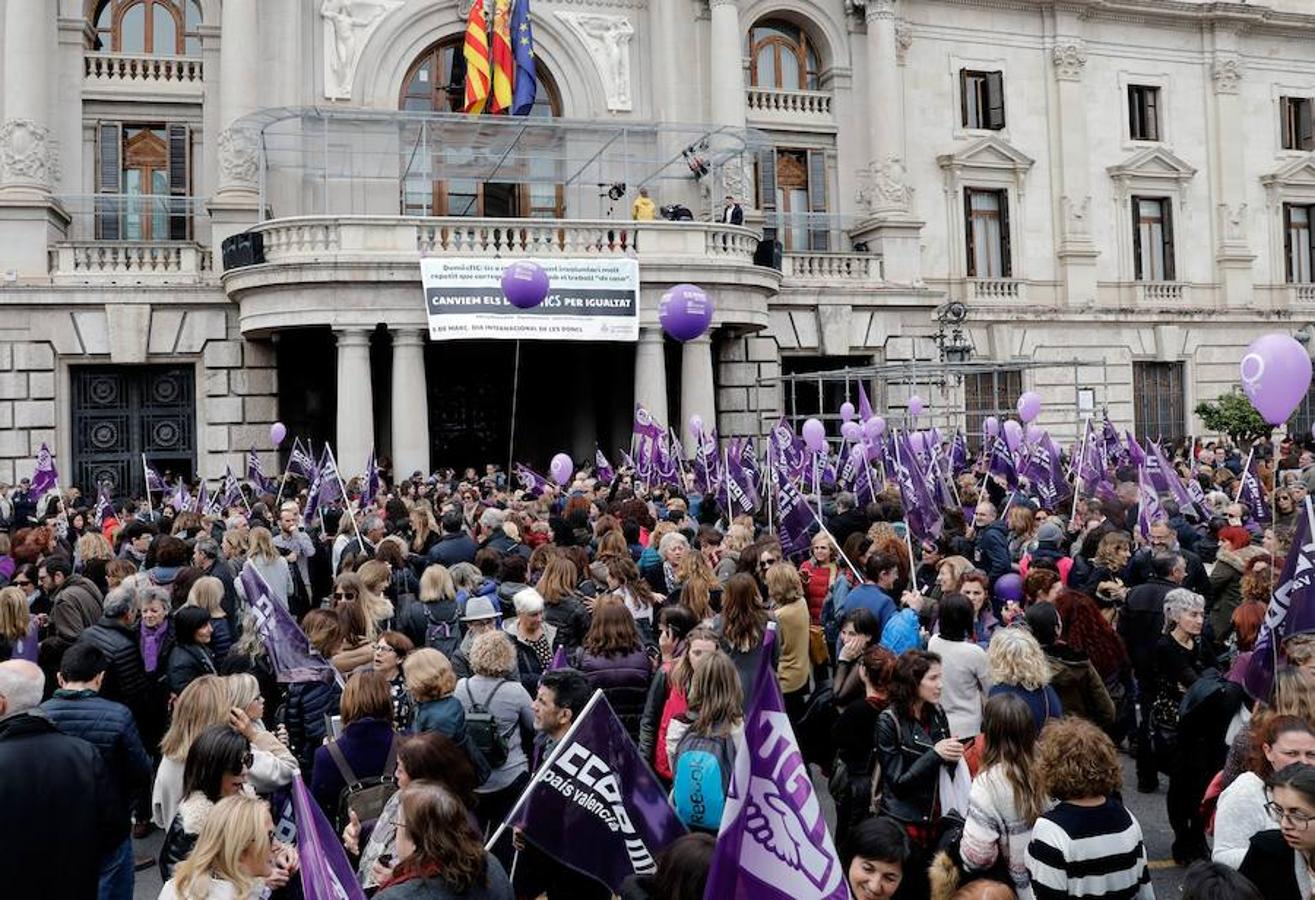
[{"x": 644, "y": 209}]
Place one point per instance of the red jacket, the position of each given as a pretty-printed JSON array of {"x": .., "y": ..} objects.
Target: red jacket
[{"x": 817, "y": 581}]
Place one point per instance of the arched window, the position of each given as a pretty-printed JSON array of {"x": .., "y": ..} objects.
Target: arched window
[
  {"x": 436, "y": 82},
  {"x": 149, "y": 27},
  {"x": 783, "y": 57}
]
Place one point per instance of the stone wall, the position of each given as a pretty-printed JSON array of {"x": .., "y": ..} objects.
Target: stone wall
[
  {"x": 742, "y": 396},
  {"x": 239, "y": 395}
]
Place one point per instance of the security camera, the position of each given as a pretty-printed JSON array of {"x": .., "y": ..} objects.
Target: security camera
[{"x": 952, "y": 313}]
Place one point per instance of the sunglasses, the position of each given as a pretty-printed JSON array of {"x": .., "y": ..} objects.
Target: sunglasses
[
  {"x": 22, "y": 581},
  {"x": 766, "y": 563},
  {"x": 344, "y": 595},
  {"x": 247, "y": 759}
]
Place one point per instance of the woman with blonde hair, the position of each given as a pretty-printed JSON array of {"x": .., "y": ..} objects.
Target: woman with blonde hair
[
  {"x": 234, "y": 854},
  {"x": 436, "y": 614},
  {"x": 1022, "y": 524},
  {"x": 430, "y": 680},
  {"x": 207, "y": 593},
  {"x": 424, "y": 530},
  {"x": 92, "y": 553},
  {"x": 244, "y": 694},
  {"x": 375, "y": 577},
  {"x": 699, "y": 590},
  {"x": 818, "y": 573},
  {"x": 234, "y": 546},
  {"x": 268, "y": 563},
  {"x": 18, "y": 627},
  {"x": 1017, "y": 665},
  {"x": 702, "y": 738},
  {"x": 738, "y": 536},
  {"x": 785, "y": 591},
  {"x": 950, "y": 572}
]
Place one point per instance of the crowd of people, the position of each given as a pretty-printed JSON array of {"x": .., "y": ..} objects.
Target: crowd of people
[{"x": 964, "y": 698}]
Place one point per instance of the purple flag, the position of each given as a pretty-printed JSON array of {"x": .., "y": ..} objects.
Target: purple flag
[
  {"x": 1002, "y": 461},
  {"x": 286, "y": 645},
  {"x": 104, "y": 508},
  {"x": 753, "y": 475},
  {"x": 1156, "y": 469},
  {"x": 1039, "y": 469},
  {"x": 300, "y": 462},
  {"x": 372, "y": 480},
  {"x": 773, "y": 843},
  {"x": 181, "y": 499},
  {"x": 788, "y": 450},
  {"x": 741, "y": 498},
  {"x": 232, "y": 489},
  {"x": 666, "y": 462},
  {"x": 1090, "y": 467},
  {"x": 1291, "y": 609},
  {"x": 707, "y": 462},
  {"x": 559, "y": 659},
  {"x": 1115, "y": 451},
  {"x": 202, "y": 502},
  {"x": 325, "y": 488},
  {"x": 602, "y": 467},
  {"x": 958, "y": 452},
  {"x": 153, "y": 480},
  {"x": 864, "y": 407},
  {"x": 645, "y": 437},
  {"x": 1148, "y": 504},
  {"x": 1252, "y": 494},
  {"x": 326, "y": 873},
  {"x": 920, "y": 510},
  {"x": 530, "y": 480},
  {"x": 256, "y": 472},
  {"x": 793, "y": 517},
  {"x": 1179, "y": 491},
  {"x": 44, "y": 478},
  {"x": 595, "y": 805},
  {"x": 1194, "y": 489}
]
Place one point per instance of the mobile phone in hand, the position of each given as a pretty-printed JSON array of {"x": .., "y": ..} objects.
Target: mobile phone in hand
[{"x": 386, "y": 860}]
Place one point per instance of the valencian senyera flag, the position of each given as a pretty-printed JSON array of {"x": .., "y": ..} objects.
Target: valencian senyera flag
[
  {"x": 503, "y": 63},
  {"x": 476, "y": 52}
]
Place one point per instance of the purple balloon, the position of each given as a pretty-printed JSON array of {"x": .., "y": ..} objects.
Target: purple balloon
[
  {"x": 992, "y": 425},
  {"x": 524, "y": 284},
  {"x": 846, "y": 411},
  {"x": 1035, "y": 433},
  {"x": 916, "y": 405},
  {"x": 1275, "y": 376},
  {"x": 814, "y": 434},
  {"x": 685, "y": 312},
  {"x": 851, "y": 431},
  {"x": 1013, "y": 434},
  {"x": 858, "y": 453},
  {"x": 1009, "y": 586},
  {"x": 918, "y": 441},
  {"x": 1029, "y": 406},
  {"x": 277, "y": 432},
  {"x": 561, "y": 468},
  {"x": 696, "y": 424},
  {"x": 874, "y": 427}
]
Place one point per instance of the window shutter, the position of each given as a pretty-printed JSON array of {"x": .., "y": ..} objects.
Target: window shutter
[
  {"x": 1305, "y": 132},
  {"x": 963, "y": 97},
  {"x": 1136, "y": 238},
  {"x": 1006, "y": 263},
  {"x": 1152, "y": 114},
  {"x": 1170, "y": 270},
  {"x": 180, "y": 168},
  {"x": 767, "y": 192},
  {"x": 1287, "y": 243},
  {"x": 995, "y": 100},
  {"x": 818, "y": 233},
  {"x": 1310, "y": 245},
  {"x": 968, "y": 231},
  {"x": 109, "y": 179}
]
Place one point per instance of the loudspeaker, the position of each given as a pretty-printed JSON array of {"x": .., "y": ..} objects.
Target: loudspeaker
[
  {"x": 768, "y": 254},
  {"x": 244, "y": 249}
]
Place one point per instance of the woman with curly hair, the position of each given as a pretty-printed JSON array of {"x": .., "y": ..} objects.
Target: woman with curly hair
[
  {"x": 1018, "y": 665},
  {"x": 1087, "y": 631},
  {"x": 1088, "y": 845}
]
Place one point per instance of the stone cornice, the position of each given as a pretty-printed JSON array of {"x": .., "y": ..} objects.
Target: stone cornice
[{"x": 1239, "y": 15}]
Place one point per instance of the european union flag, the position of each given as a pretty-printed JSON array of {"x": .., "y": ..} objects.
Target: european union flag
[{"x": 522, "y": 44}]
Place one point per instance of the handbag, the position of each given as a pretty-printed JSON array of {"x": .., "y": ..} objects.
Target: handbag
[
  {"x": 1164, "y": 731},
  {"x": 818, "y": 652}
]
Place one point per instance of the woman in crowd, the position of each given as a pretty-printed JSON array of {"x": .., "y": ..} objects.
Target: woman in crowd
[
  {"x": 1022, "y": 530},
  {"x": 390, "y": 652},
  {"x": 268, "y": 563},
  {"x": 1041, "y": 586},
  {"x": 612, "y": 657},
  {"x": 190, "y": 657},
  {"x": 1105, "y": 582},
  {"x": 19, "y": 629},
  {"x": 914, "y": 748},
  {"x": 403, "y": 586},
  {"x": 365, "y": 743},
  {"x": 742, "y": 627},
  {"x": 429, "y": 757},
  {"x": 1018, "y": 665},
  {"x": 818, "y": 573},
  {"x": 493, "y": 687},
  {"x": 976, "y": 586},
  {"x": 355, "y": 649},
  {"x": 437, "y": 613},
  {"x": 217, "y": 767},
  {"x": 1240, "y": 814},
  {"x": 376, "y": 577},
  {"x": 1088, "y": 845},
  {"x": 234, "y": 855},
  {"x": 310, "y": 702},
  {"x": 875, "y": 857},
  {"x": 859, "y": 630},
  {"x": 438, "y": 854},
  {"x": 1279, "y": 860},
  {"x": 701, "y": 743},
  {"x": 668, "y": 696},
  {"x": 1088, "y": 632},
  {"x": 624, "y": 580},
  {"x": 699, "y": 592},
  {"x": 681, "y": 874},
  {"x": 564, "y": 609},
  {"x": 950, "y": 572},
  {"x": 1235, "y": 552},
  {"x": 1245, "y": 625},
  {"x": 207, "y": 593},
  {"x": 431, "y": 682},
  {"x": 1080, "y": 689},
  {"x": 965, "y": 679},
  {"x": 94, "y": 553},
  {"x": 853, "y": 734},
  {"x": 1291, "y": 695},
  {"x": 785, "y": 593},
  {"x": 532, "y": 638},
  {"x": 1006, "y": 796}
]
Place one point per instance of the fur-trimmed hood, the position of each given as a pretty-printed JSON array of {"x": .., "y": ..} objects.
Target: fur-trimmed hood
[{"x": 1237, "y": 559}]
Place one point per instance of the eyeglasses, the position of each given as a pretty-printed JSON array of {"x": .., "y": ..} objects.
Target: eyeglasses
[
  {"x": 1299, "y": 820},
  {"x": 247, "y": 760},
  {"x": 22, "y": 581},
  {"x": 386, "y": 647},
  {"x": 766, "y": 563},
  {"x": 344, "y": 595}
]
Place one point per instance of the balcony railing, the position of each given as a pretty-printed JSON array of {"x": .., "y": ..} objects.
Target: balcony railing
[
  {"x": 129, "y": 262},
  {"x": 847, "y": 268},
  {"x": 1302, "y": 294},
  {"x": 145, "y": 74},
  {"x": 998, "y": 290},
  {"x": 789, "y": 107},
  {"x": 1156, "y": 292}
]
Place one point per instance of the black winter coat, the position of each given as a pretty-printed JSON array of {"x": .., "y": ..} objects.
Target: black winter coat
[
  {"x": 1270, "y": 865},
  {"x": 1141, "y": 623},
  {"x": 126, "y": 681},
  {"x": 569, "y": 616},
  {"x": 414, "y": 620},
  {"x": 910, "y": 767},
  {"x": 188, "y": 663},
  {"x": 303, "y": 715},
  {"x": 452, "y": 549},
  {"x": 55, "y": 793}
]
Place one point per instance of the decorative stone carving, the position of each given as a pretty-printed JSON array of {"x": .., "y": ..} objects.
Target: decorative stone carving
[
  {"x": 1077, "y": 218},
  {"x": 239, "y": 155},
  {"x": 607, "y": 38},
  {"x": 1227, "y": 74},
  {"x": 879, "y": 9},
  {"x": 1232, "y": 222},
  {"x": 28, "y": 153},
  {"x": 903, "y": 40},
  {"x": 1069, "y": 57},
  {"x": 883, "y": 186},
  {"x": 348, "y": 24}
]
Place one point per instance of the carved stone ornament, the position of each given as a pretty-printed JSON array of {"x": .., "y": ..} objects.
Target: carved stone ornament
[
  {"x": 903, "y": 40},
  {"x": 239, "y": 156},
  {"x": 1227, "y": 74},
  {"x": 1069, "y": 58},
  {"x": 348, "y": 24},
  {"x": 879, "y": 9},
  {"x": 28, "y": 153},
  {"x": 1077, "y": 218},
  {"x": 607, "y": 38},
  {"x": 1232, "y": 221},
  {"x": 883, "y": 186}
]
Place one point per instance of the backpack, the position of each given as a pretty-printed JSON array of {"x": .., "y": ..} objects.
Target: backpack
[
  {"x": 702, "y": 776},
  {"x": 443, "y": 635},
  {"x": 482, "y": 728},
  {"x": 364, "y": 796}
]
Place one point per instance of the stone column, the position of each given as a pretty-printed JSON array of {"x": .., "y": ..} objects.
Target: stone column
[
  {"x": 355, "y": 423},
  {"x": 697, "y": 396},
  {"x": 1233, "y": 254},
  {"x": 237, "y": 198},
  {"x": 410, "y": 403},
  {"x": 651, "y": 373},
  {"x": 726, "y": 74},
  {"x": 1074, "y": 248}
]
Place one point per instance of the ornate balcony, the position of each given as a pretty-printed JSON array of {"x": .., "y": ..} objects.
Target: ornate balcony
[
  {"x": 770, "y": 107},
  {"x": 807, "y": 268},
  {"x": 1157, "y": 293},
  {"x": 130, "y": 262},
  {"x": 116, "y": 74},
  {"x": 996, "y": 290}
]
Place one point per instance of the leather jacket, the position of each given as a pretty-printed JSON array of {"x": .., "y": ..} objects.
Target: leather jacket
[{"x": 910, "y": 768}]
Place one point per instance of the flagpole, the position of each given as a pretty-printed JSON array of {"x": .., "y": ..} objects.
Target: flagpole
[
  {"x": 283, "y": 482},
  {"x": 150, "y": 508},
  {"x": 543, "y": 769},
  {"x": 771, "y": 485},
  {"x": 515, "y": 391},
  {"x": 726, "y": 468},
  {"x": 347, "y": 506},
  {"x": 1077, "y": 475},
  {"x": 1246, "y": 470}
]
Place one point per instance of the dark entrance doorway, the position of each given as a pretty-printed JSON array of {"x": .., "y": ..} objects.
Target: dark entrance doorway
[{"x": 122, "y": 412}]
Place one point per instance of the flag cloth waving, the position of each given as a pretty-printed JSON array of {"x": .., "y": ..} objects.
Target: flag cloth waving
[
  {"x": 602, "y": 468},
  {"x": 504, "y": 64},
  {"x": 773, "y": 843},
  {"x": 326, "y": 873},
  {"x": 476, "y": 52},
  {"x": 286, "y": 644},
  {"x": 1291, "y": 609},
  {"x": 522, "y": 42},
  {"x": 45, "y": 477}
]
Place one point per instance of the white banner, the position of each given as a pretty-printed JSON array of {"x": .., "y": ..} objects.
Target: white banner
[{"x": 588, "y": 300}]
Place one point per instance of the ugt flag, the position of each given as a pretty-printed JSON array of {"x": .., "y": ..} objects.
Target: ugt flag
[
  {"x": 285, "y": 643},
  {"x": 44, "y": 477},
  {"x": 325, "y": 872},
  {"x": 1291, "y": 609},
  {"x": 773, "y": 843},
  {"x": 595, "y": 805}
]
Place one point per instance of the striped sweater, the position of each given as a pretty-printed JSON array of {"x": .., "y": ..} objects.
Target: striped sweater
[{"x": 1088, "y": 852}]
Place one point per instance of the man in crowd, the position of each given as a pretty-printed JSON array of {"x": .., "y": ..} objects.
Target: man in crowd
[
  {"x": 75, "y": 607},
  {"x": 455, "y": 545}
]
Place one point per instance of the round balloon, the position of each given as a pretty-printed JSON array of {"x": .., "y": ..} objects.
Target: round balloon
[
  {"x": 916, "y": 405},
  {"x": 561, "y": 468},
  {"x": 851, "y": 431},
  {"x": 1009, "y": 586},
  {"x": 1275, "y": 376},
  {"x": 277, "y": 432},
  {"x": 858, "y": 453},
  {"x": 685, "y": 312},
  {"x": 814, "y": 433},
  {"x": 992, "y": 425},
  {"x": 846, "y": 411},
  {"x": 1029, "y": 406},
  {"x": 874, "y": 427},
  {"x": 918, "y": 441},
  {"x": 1034, "y": 433},
  {"x": 1013, "y": 434},
  {"x": 696, "y": 424},
  {"x": 524, "y": 284}
]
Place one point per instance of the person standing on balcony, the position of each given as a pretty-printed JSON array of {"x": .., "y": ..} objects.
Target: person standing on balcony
[
  {"x": 731, "y": 212},
  {"x": 644, "y": 209}
]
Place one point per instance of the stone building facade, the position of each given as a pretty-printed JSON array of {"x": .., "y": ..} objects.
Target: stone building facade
[{"x": 1122, "y": 182}]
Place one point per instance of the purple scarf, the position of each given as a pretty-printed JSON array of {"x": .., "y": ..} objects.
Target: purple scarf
[{"x": 152, "y": 638}]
